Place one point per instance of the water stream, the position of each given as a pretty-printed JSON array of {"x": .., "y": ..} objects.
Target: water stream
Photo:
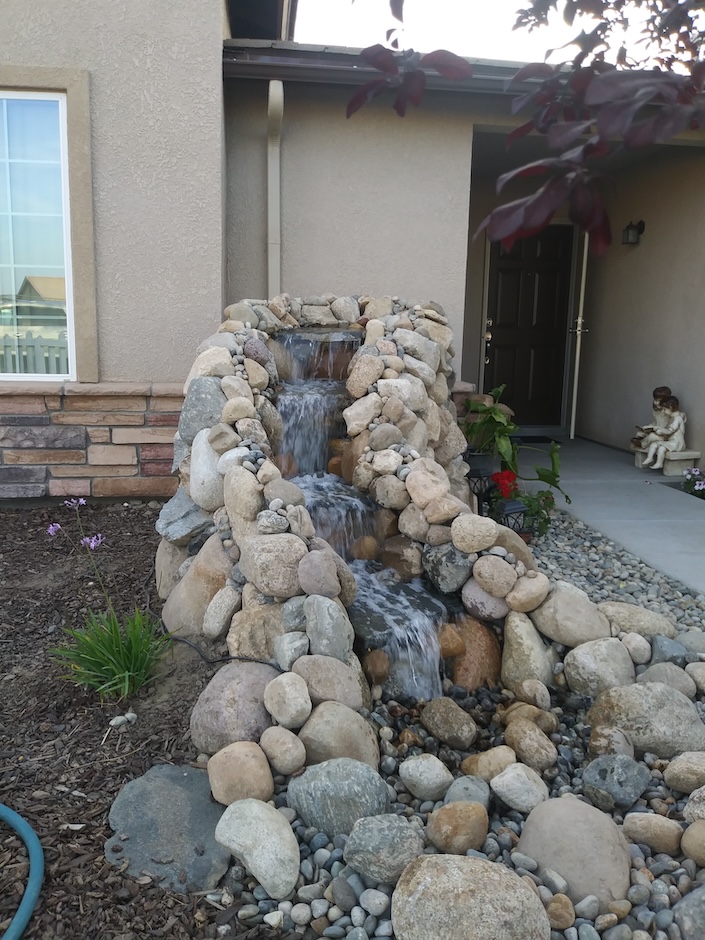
[{"x": 403, "y": 619}]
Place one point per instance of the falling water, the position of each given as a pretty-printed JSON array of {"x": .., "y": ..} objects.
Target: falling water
[
  {"x": 310, "y": 401},
  {"x": 411, "y": 618}
]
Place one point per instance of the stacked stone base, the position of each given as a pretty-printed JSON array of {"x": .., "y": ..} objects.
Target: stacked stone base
[{"x": 72, "y": 439}]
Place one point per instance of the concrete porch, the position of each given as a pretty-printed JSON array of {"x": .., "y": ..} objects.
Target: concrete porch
[{"x": 641, "y": 509}]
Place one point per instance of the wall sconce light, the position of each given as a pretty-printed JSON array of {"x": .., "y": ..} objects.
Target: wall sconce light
[{"x": 632, "y": 233}]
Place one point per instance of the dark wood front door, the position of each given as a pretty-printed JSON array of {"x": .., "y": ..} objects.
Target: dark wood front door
[{"x": 527, "y": 320}]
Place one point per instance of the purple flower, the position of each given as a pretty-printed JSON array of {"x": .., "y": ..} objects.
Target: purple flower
[
  {"x": 54, "y": 528},
  {"x": 700, "y": 485},
  {"x": 73, "y": 503},
  {"x": 91, "y": 542}
]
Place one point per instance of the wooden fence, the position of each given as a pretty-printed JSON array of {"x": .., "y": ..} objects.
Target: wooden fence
[{"x": 33, "y": 355}]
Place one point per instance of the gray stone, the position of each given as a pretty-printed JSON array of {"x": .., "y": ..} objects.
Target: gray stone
[
  {"x": 628, "y": 618},
  {"x": 52, "y": 437},
  {"x": 525, "y": 654},
  {"x": 614, "y": 781},
  {"x": 657, "y": 718},
  {"x": 671, "y": 675},
  {"x": 482, "y": 605},
  {"x": 420, "y": 347},
  {"x": 181, "y": 519},
  {"x": 689, "y": 914},
  {"x": 380, "y": 847},
  {"x": 271, "y": 523},
  {"x": 666, "y": 650},
  {"x": 202, "y": 407},
  {"x": 259, "y": 836},
  {"x": 592, "y": 667},
  {"x": 520, "y": 787},
  {"x": 447, "y": 568},
  {"x": 458, "y": 898},
  {"x": 448, "y": 722},
  {"x": 289, "y": 648},
  {"x": 333, "y": 795},
  {"x": 468, "y": 789},
  {"x": 384, "y": 435},
  {"x": 165, "y": 814},
  {"x": 329, "y": 631},
  {"x": 425, "y": 776},
  {"x": 205, "y": 482},
  {"x": 271, "y": 563},
  {"x": 231, "y": 707}
]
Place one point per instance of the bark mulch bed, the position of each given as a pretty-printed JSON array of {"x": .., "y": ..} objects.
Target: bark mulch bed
[{"x": 57, "y": 767}]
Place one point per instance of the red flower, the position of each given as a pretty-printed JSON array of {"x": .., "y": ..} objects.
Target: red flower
[{"x": 506, "y": 483}]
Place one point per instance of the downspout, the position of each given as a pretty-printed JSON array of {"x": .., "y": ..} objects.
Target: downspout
[
  {"x": 578, "y": 331},
  {"x": 275, "y": 115}
]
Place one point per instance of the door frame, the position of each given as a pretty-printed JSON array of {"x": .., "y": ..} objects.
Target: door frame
[{"x": 569, "y": 364}]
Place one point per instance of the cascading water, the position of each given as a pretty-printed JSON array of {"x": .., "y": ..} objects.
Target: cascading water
[{"x": 403, "y": 618}]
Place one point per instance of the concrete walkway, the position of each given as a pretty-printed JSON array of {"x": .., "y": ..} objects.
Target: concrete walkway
[{"x": 660, "y": 524}]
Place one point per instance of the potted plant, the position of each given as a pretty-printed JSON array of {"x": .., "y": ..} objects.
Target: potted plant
[
  {"x": 694, "y": 482},
  {"x": 525, "y": 512}
]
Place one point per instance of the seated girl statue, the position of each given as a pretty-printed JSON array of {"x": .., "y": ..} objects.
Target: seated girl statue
[
  {"x": 661, "y": 441},
  {"x": 659, "y": 419}
]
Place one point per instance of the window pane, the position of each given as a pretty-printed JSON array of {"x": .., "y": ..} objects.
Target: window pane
[
  {"x": 5, "y": 251},
  {"x": 35, "y": 187},
  {"x": 33, "y": 129},
  {"x": 7, "y": 283},
  {"x": 38, "y": 241},
  {"x": 4, "y": 207},
  {"x": 3, "y": 142}
]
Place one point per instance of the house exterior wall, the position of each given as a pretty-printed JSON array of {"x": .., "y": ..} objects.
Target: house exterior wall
[
  {"x": 156, "y": 144},
  {"x": 644, "y": 304},
  {"x": 154, "y": 149},
  {"x": 374, "y": 202}
]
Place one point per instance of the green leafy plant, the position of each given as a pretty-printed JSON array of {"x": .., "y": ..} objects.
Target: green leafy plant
[
  {"x": 491, "y": 431},
  {"x": 694, "y": 482},
  {"x": 538, "y": 510},
  {"x": 114, "y": 655},
  {"x": 538, "y": 506}
]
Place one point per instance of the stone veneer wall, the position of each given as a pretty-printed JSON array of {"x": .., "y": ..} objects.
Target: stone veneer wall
[{"x": 74, "y": 439}]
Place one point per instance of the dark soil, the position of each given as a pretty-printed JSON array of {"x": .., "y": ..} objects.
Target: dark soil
[{"x": 59, "y": 767}]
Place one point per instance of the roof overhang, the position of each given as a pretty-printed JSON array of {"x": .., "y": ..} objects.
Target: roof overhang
[{"x": 334, "y": 65}]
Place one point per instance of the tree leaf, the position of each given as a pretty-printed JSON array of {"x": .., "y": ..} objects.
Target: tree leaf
[
  {"x": 366, "y": 93},
  {"x": 380, "y": 58},
  {"x": 532, "y": 70},
  {"x": 411, "y": 90},
  {"x": 447, "y": 64},
  {"x": 561, "y": 135},
  {"x": 537, "y": 168},
  {"x": 519, "y": 132},
  {"x": 397, "y": 8}
]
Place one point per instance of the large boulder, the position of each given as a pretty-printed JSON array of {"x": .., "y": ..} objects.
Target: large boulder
[
  {"x": 628, "y": 618},
  {"x": 657, "y": 718},
  {"x": 582, "y": 844},
  {"x": 569, "y": 617},
  {"x": 231, "y": 707},
  {"x": 335, "y": 731},
  {"x": 525, "y": 654},
  {"x": 260, "y": 837},
  {"x": 460, "y": 898},
  {"x": 333, "y": 795},
  {"x": 597, "y": 665}
]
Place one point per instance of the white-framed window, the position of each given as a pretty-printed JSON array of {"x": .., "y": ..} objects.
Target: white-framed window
[{"x": 37, "y": 338}]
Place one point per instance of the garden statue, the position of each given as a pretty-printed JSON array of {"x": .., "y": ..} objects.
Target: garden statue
[
  {"x": 663, "y": 440},
  {"x": 659, "y": 419}
]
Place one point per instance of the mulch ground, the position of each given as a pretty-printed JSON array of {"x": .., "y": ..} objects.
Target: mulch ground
[{"x": 59, "y": 767}]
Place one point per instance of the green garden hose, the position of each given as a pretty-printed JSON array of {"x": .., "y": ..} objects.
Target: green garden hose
[{"x": 36, "y": 871}]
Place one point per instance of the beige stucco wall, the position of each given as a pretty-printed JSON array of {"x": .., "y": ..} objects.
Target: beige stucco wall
[
  {"x": 155, "y": 92},
  {"x": 645, "y": 304},
  {"x": 372, "y": 204}
]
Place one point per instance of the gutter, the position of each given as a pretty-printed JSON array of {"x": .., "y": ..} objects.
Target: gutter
[
  {"x": 289, "y": 61},
  {"x": 275, "y": 116}
]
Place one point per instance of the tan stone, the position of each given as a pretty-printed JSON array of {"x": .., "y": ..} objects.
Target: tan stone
[
  {"x": 488, "y": 764},
  {"x": 365, "y": 372},
  {"x": 242, "y": 493},
  {"x": 366, "y": 547},
  {"x": 254, "y": 630},
  {"x": 457, "y": 827},
  {"x": 560, "y": 911},
  {"x": 404, "y": 556},
  {"x": 136, "y": 487},
  {"x": 271, "y": 563},
  {"x": 545, "y": 720},
  {"x": 186, "y": 604},
  {"x": 236, "y": 408},
  {"x": 450, "y": 641},
  {"x": 424, "y": 486},
  {"x": 686, "y": 772},
  {"x": 234, "y": 386},
  {"x": 257, "y": 375},
  {"x": 168, "y": 560},
  {"x": 285, "y": 752},
  {"x": 223, "y": 438},
  {"x": 528, "y": 592},
  {"x": 240, "y": 771},
  {"x": 530, "y": 744},
  {"x": 386, "y": 524},
  {"x": 329, "y": 680},
  {"x": 390, "y": 492},
  {"x": 659, "y": 833},
  {"x": 481, "y": 662},
  {"x": 693, "y": 842},
  {"x": 413, "y": 523},
  {"x": 444, "y": 509},
  {"x": 376, "y": 666},
  {"x": 111, "y": 454},
  {"x": 334, "y": 730},
  {"x": 494, "y": 575},
  {"x": 471, "y": 533},
  {"x": 438, "y": 535}
]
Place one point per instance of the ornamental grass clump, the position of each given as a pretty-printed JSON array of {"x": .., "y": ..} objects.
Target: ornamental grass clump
[{"x": 113, "y": 654}]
